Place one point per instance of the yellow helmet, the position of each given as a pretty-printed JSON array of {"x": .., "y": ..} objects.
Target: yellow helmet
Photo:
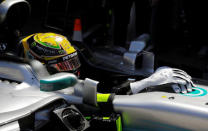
[{"x": 53, "y": 50}]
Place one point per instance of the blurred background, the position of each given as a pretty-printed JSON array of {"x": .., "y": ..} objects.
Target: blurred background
[{"x": 176, "y": 29}]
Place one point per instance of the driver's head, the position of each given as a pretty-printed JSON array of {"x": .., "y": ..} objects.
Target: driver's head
[{"x": 53, "y": 50}]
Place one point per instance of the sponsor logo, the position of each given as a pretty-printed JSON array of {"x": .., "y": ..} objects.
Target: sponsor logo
[
  {"x": 69, "y": 56},
  {"x": 33, "y": 44},
  {"x": 41, "y": 50},
  {"x": 197, "y": 92}
]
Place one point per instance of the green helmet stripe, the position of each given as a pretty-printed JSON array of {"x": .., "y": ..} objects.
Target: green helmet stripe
[{"x": 51, "y": 46}]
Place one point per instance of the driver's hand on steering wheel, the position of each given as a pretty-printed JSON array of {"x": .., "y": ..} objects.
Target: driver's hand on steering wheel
[{"x": 178, "y": 79}]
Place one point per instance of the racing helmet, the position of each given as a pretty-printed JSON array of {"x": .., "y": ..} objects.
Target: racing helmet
[{"x": 53, "y": 50}]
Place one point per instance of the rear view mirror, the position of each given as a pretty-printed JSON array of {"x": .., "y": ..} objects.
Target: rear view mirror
[{"x": 57, "y": 82}]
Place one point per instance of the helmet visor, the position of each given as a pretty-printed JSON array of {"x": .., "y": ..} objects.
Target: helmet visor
[{"x": 69, "y": 65}]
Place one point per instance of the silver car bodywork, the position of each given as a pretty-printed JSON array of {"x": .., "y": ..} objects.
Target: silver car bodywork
[
  {"x": 20, "y": 96},
  {"x": 164, "y": 111}
]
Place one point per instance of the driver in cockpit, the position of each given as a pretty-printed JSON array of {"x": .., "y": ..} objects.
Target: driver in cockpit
[{"x": 58, "y": 55}]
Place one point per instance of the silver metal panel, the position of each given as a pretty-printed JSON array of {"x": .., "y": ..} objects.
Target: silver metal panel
[
  {"x": 117, "y": 63},
  {"x": 137, "y": 46},
  {"x": 148, "y": 62},
  {"x": 163, "y": 111},
  {"x": 25, "y": 73},
  {"x": 17, "y": 103},
  {"x": 13, "y": 126},
  {"x": 139, "y": 43},
  {"x": 130, "y": 58},
  {"x": 11, "y": 73},
  {"x": 19, "y": 100},
  {"x": 18, "y": 97},
  {"x": 90, "y": 91}
]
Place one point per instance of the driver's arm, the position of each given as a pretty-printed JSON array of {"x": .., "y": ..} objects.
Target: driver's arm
[{"x": 178, "y": 79}]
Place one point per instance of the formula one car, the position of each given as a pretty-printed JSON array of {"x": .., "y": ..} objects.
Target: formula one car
[{"x": 31, "y": 99}]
